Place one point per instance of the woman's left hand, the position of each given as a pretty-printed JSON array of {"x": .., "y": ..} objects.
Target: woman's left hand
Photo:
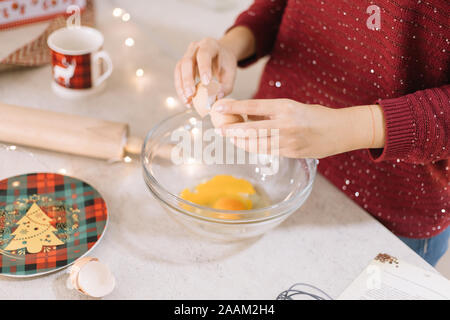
[{"x": 303, "y": 130}]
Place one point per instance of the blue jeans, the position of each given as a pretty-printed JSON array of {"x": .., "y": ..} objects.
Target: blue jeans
[{"x": 431, "y": 249}]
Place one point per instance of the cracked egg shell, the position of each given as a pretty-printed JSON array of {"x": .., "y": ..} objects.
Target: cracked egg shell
[
  {"x": 205, "y": 96},
  {"x": 91, "y": 277}
]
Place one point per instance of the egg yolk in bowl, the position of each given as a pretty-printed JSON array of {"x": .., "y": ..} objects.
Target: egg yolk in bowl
[{"x": 222, "y": 192}]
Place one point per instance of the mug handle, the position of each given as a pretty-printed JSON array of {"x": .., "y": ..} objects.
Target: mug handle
[{"x": 105, "y": 56}]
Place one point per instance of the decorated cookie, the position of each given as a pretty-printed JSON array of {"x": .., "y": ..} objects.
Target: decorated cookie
[{"x": 47, "y": 221}]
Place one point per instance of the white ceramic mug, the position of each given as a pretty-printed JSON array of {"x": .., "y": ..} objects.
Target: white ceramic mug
[{"x": 78, "y": 61}]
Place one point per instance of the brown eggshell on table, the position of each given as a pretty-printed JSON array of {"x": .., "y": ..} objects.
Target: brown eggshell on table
[{"x": 205, "y": 97}]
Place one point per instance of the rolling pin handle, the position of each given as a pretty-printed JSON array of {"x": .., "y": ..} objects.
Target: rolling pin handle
[{"x": 134, "y": 145}]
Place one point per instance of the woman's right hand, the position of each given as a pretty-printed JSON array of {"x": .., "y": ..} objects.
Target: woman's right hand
[{"x": 206, "y": 59}]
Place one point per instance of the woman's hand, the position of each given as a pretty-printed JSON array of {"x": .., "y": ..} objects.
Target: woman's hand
[
  {"x": 210, "y": 58},
  {"x": 302, "y": 130},
  {"x": 206, "y": 58}
]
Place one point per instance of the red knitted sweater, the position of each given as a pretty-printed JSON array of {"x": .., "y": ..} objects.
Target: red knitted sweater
[{"x": 322, "y": 52}]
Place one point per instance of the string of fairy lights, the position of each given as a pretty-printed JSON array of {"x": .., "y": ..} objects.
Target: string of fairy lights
[
  {"x": 125, "y": 16},
  {"x": 170, "y": 102},
  {"x": 129, "y": 41}
]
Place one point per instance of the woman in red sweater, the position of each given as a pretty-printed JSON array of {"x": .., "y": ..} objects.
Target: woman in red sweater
[{"x": 372, "y": 102}]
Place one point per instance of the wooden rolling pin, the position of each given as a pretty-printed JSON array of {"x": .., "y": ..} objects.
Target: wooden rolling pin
[{"x": 66, "y": 133}]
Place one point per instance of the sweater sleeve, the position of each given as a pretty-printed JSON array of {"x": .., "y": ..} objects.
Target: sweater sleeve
[
  {"x": 263, "y": 18},
  {"x": 417, "y": 127}
]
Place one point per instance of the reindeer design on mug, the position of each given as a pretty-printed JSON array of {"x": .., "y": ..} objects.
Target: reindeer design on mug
[{"x": 65, "y": 73}]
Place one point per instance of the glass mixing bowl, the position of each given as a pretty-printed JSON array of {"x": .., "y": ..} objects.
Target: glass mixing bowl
[{"x": 284, "y": 187}]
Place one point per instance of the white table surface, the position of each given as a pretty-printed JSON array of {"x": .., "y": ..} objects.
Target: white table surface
[{"x": 327, "y": 243}]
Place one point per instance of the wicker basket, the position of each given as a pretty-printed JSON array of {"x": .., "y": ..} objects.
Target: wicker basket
[{"x": 36, "y": 52}]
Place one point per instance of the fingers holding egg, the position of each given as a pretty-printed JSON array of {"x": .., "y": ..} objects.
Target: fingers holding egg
[
  {"x": 203, "y": 100},
  {"x": 205, "y": 97},
  {"x": 220, "y": 119}
]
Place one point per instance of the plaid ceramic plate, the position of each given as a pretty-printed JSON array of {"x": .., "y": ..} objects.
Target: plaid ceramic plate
[{"x": 47, "y": 221}]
